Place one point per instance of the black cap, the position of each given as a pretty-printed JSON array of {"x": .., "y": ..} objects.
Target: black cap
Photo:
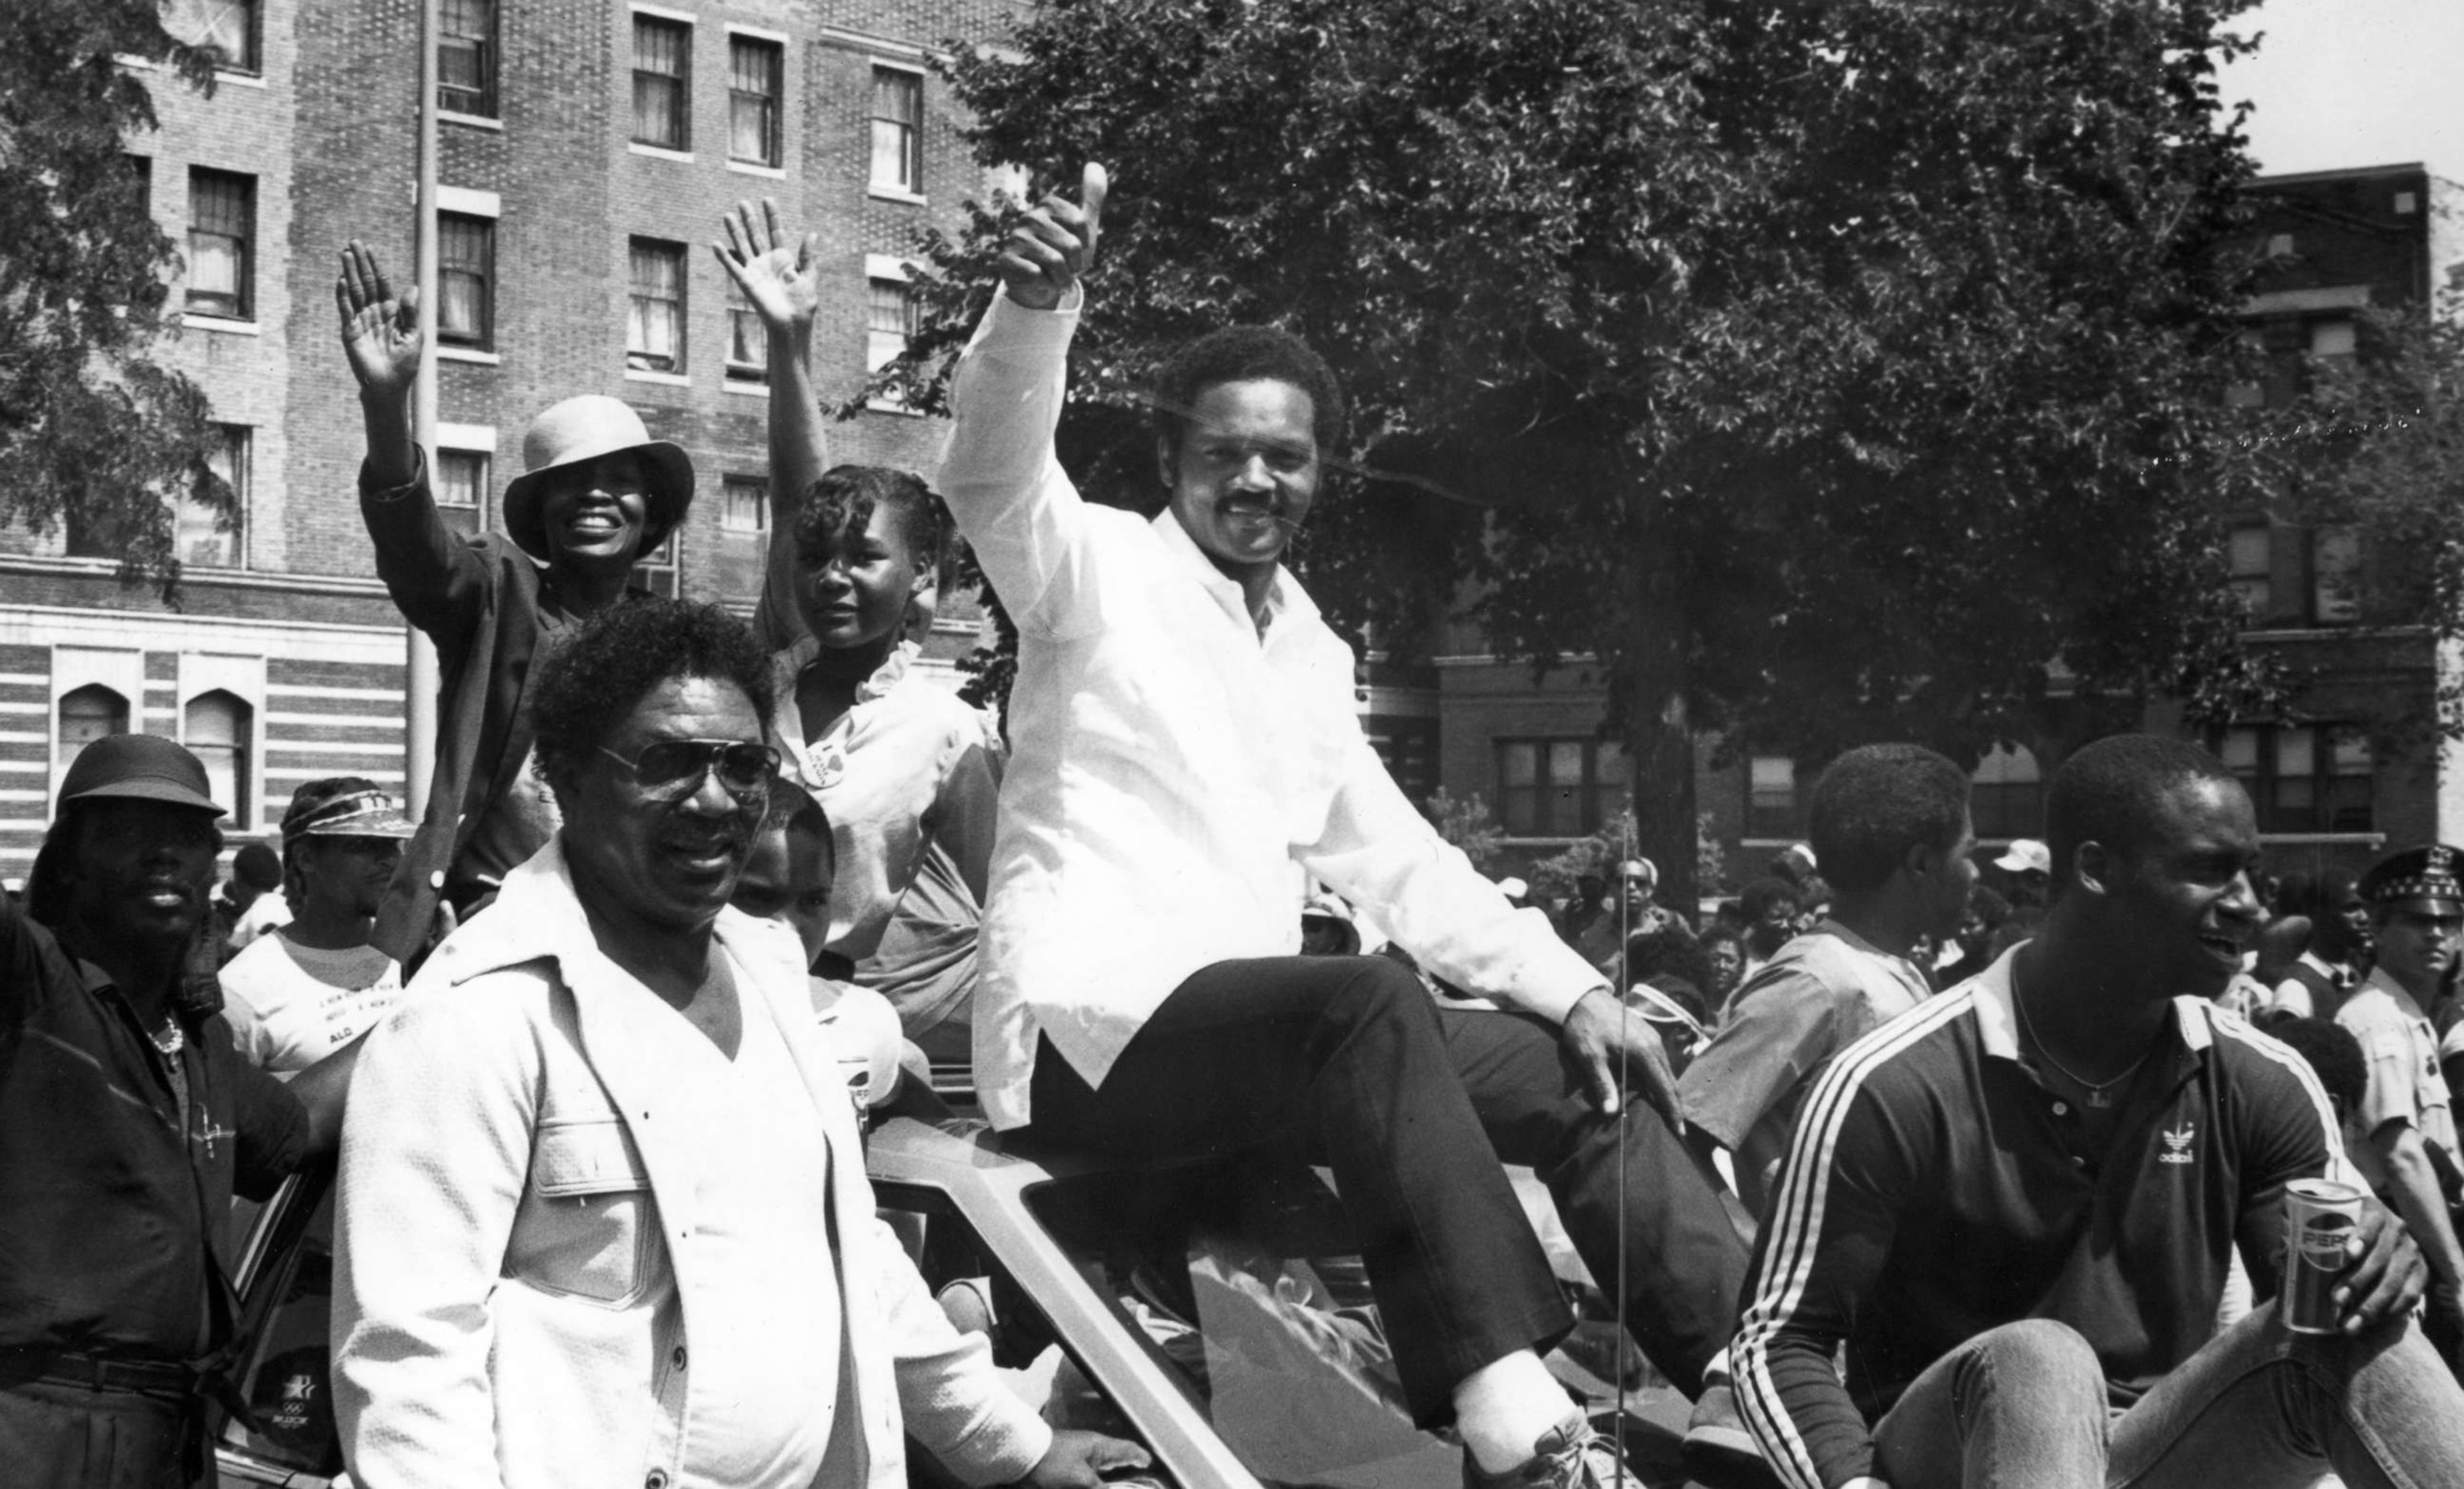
[{"x": 141, "y": 767}]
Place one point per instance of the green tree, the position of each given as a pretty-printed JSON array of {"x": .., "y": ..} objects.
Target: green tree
[
  {"x": 1468, "y": 825},
  {"x": 1829, "y": 373},
  {"x": 2375, "y": 444},
  {"x": 94, "y": 432}
]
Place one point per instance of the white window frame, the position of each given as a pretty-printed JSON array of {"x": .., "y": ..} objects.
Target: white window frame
[
  {"x": 121, "y": 670},
  {"x": 243, "y": 677},
  {"x": 890, "y": 190},
  {"x": 786, "y": 46}
]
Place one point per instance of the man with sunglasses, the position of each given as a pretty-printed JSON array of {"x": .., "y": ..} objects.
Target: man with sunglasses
[{"x": 604, "y": 1215}]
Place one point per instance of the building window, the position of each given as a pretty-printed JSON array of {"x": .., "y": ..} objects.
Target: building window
[
  {"x": 748, "y": 344},
  {"x": 217, "y": 733},
  {"x": 228, "y": 27},
  {"x": 203, "y": 537},
  {"x": 891, "y": 318},
  {"x": 1559, "y": 788},
  {"x": 755, "y": 74},
  {"x": 2335, "y": 575},
  {"x": 222, "y": 223},
  {"x": 661, "y": 572},
  {"x": 462, "y": 490},
  {"x": 2007, "y": 794},
  {"x": 1408, "y": 747},
  {"x": 466, "y": 58},
  {"x": 744, "y": 505},
  {"x": 661, "y": 54},
  {"x": 897, "y": 130},
  {"x": 2253, "y": 557},
  {"x": 86, "y": 716},
  {"x": 654, "y": 332},
  {"x": 2304, "y": 779},
  {"x": 466, "y": 275},
  {"x": 1770, "y": 797},
  {"x": 2338, "y": 338}
]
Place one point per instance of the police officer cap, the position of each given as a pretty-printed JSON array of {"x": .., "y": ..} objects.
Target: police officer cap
[{"x": 2429, "y": 872}]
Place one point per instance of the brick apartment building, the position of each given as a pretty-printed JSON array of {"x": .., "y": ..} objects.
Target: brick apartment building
[
  {"x": 588, "y": 149},
  {"x": 2352, "y": 767}
]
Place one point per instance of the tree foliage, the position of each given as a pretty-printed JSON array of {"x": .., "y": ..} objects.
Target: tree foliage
[
  {"x": 2375, "y": 445},
  {"x": 1468, "y": 825},
  {"x": 94, "y": 432},
  {"x": 1828, "y": 372}
]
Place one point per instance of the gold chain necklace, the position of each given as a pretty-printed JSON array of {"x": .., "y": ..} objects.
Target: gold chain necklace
[{"x": 2099, "y": 1094}]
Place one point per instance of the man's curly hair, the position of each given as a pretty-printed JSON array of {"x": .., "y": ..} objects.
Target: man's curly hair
[
  {"x": 844, "y": 497},
  {"x": 1246, "y": 354},
  {"x": 589, "y": 684}
]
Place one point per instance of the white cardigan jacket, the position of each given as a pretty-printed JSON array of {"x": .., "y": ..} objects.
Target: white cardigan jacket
[{"x": 509, "y": 1203}]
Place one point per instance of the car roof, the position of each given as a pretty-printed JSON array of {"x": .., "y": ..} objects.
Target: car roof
[{"x": 967, "y": 1151}]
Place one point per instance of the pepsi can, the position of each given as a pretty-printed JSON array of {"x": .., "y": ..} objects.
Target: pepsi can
[{"x": 2320, "y": 1217}]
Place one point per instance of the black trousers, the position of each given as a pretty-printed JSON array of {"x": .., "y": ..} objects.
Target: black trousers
[
  {"x": 1348, "y": 1062},
  {"x": 76, "y": 1437}
]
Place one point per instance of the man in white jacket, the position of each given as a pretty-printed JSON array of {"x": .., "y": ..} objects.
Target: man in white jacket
[
  {"x": 1186, "y": 749},
  {"x": 603, "y": 1216}
]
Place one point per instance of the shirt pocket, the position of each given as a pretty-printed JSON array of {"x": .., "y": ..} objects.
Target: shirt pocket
[{"x": 587, "y": 1223}]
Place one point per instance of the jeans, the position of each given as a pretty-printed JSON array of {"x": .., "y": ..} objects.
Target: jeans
[
  {"x": 1347, "y": 1061},
  {"x": 2024, "y": 1407}
]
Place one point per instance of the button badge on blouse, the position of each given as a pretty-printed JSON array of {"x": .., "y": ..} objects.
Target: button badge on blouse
[{"x": 829, "y": 763}]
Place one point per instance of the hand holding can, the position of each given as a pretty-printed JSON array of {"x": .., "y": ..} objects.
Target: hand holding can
[
  {"x": 2368, "y": 1263},
  {"x": 2322, "y": 1220}
]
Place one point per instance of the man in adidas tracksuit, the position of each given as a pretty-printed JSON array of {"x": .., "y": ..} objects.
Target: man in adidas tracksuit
[{"x": 2015, "y": 1205}]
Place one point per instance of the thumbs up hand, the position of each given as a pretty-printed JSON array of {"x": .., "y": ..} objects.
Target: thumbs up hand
[{"x": 1054, "y": 245}]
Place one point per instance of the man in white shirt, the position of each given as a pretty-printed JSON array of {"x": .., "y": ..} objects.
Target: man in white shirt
[
  {"x": 2403, "y": 1134},
  {"x": 314, "y": 984},
  {"x": 2337, "y": 954},
  {"x": 254, "y": 895},
  {"x": 1185, "y": 751}
]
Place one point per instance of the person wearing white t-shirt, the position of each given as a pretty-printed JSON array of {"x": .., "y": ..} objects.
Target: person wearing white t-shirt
[
  {"x": 308, "y": 988},
  {"x": 249, "y": 901}
]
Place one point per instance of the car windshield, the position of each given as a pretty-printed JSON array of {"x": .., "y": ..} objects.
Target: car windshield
[{"x": 1244, "y": 1281}]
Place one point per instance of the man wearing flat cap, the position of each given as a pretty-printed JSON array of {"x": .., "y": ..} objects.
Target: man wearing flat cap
[
  {"x": 310, "y": 987},
  {"x": 127, "y": 1122},
  {"x": 2403, "y": 1136},
  {"x": 596, "y": 495}
]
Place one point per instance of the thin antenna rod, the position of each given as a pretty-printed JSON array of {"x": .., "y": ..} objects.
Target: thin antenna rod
[{"x": 1625, "y": 1018}]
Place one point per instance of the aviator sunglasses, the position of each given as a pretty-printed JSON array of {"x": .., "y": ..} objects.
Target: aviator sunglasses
[{"x": 669, "y": 770}]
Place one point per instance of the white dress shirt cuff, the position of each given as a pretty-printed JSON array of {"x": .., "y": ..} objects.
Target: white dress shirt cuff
[
  {"x": 1554, "y": 998},
  {"x": 1016, "y": 327}
]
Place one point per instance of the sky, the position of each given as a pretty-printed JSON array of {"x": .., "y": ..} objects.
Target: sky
[{"x": 2354, "y": 83}]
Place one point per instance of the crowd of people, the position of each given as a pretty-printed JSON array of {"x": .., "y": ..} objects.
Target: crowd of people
[{"x": 1904, "y": 1179}]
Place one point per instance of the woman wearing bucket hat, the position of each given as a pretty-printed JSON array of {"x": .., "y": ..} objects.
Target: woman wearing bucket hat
[{"x": 595, "y": 494}]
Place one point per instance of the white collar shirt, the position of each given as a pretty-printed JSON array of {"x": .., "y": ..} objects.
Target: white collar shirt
[
  {"x": 1177, "y": 769},
  {"x": 910, "y": 767}
]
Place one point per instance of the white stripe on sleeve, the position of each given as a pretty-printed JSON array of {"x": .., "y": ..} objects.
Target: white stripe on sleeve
[{"x": 1796, "y": 1217}]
